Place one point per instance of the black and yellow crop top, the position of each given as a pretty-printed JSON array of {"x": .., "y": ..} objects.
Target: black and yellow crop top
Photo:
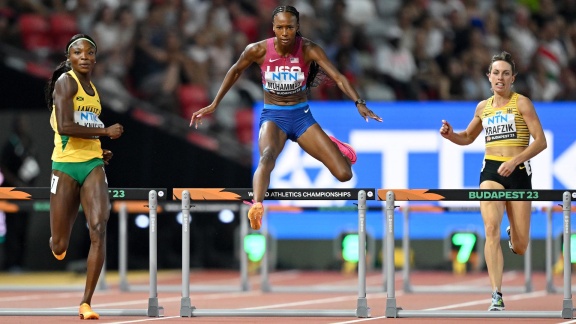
[{"x": 504, "y": 126}]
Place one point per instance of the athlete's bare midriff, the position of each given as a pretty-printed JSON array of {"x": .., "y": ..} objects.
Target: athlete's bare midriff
[
  {"x": 274, "y": 99},
  {"x": 505, "y": 151}
]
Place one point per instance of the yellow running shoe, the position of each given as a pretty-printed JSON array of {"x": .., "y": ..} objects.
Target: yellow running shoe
[
  {"x": 255, "y": 215},
  {"x": 86, "y": 312}
]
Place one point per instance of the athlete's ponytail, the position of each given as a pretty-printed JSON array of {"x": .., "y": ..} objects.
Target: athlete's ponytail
[{"x": 62, "y": 68}]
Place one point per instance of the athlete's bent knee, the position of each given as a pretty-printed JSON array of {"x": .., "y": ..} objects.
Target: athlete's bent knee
[
  {"x": 344, "y": 175},
  {"x": 58, "y": 246},
  {"x": 520, "y": 247}
]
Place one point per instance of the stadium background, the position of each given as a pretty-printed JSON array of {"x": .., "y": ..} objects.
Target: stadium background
[{"x": 159, "y": 150}]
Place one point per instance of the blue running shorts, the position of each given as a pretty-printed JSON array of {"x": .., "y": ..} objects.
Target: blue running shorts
[{"x": 292, "y": 120}]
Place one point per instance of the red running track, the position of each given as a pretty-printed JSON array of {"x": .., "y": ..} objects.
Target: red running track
[{"x": 255, "y": 299}]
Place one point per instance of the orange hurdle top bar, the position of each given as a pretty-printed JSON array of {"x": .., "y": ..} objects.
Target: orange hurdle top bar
[{"x": 475, "y": 194}]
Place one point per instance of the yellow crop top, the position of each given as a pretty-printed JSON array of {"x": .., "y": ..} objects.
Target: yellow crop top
[
  {"x": 504, "y": 126},
  {"x": 87, "y": 108}
]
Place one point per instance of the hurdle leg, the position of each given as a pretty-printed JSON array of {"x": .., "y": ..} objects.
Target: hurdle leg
[
  {"x": 185, "y": 303},
  {"x": 528, "y": 268},
  {"x": 391, "y": 309},
  {"x": 154, "y": 309},
  {"x": 406, "y": 250},
  {"x": 567, "y": 306},
  {"x": 362, "y": 309},
  {"x": 264, "y": 278},
  {"x": 550, "y": 287},
  {"x": 244, "y": 280},
  {"x": 123, "y": 247},
  {"x": 383, "y": 251}
]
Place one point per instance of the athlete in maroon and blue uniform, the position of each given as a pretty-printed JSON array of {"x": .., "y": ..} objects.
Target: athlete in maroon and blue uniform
[{"x": 289, "y": 64}]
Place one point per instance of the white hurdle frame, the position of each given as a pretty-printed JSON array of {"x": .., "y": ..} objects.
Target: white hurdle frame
[
  {"x": 187, "y": 310},
  {"x": 408, "y": 287},
  {"x": 266, "y": 286},
  {"x": 392, "y": 311},
  {"x": 153, "y": 310},
  {"x": 550, "y": 286},
  {"x": 171, "y": 206}
]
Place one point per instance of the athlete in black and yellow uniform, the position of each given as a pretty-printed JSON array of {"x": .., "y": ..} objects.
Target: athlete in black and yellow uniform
[
  {"x": 78, "y": 175},
  {"x": 508, "y": 120}
]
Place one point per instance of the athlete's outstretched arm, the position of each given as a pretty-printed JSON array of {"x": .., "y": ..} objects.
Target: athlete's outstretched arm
[
  {"x": 317, "y": 54},
  {"x": 253, "y": 53}
]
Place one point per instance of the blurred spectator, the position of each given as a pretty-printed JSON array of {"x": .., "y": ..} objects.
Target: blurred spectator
[
  {"x": 475, "y": 83},
  {"x": 522, "y": 35},
  {"x": 395, "y": 66},
  {"x": 451, "y": 84},
  {"x": 150, "y": 48},
  {"x": 542, "y": 86},
  {"x": 84, "y": 11},
  {"x": 551, "y": 52},
  {"x": 568, "y": 81},
  {"x": 106, "y": 30},
  {"x": 157, "y": 49}
]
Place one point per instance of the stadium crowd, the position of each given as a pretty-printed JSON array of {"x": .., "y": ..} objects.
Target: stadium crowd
[{"x": 174, "y": 53}]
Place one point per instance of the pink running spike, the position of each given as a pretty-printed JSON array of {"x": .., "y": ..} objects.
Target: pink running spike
[{"x": 345, "y": 148}]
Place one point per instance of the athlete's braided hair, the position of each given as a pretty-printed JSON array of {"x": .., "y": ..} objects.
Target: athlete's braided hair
[
  {"x": 506, "y": 57},
  {"x": 316, "y": 75},
  {"x": 62, "y": 68}
]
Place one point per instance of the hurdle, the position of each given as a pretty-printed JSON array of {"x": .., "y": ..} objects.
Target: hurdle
[
  {"x": 408, "y": 287},
  {"x": 550, "y": 286},
  {"x": 392, "y": 195},
  {"x": 225, "y": 194},
  {"x": 169, "y": 206},
  {"x": 153, "y": 309},
  {"x": 266, "y": 285}
]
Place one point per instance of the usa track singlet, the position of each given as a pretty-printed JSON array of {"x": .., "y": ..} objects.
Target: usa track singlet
[
  {"x": 87, "y": 110},
  {"x": 504, "y": 126},
  {"x": 284, "y": 75}
]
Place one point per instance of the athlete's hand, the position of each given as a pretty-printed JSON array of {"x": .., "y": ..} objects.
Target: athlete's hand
[
  {"x": 367, "y": 113},
  {"x": 506, "y": 168},
  {"x": 446, "y": 129},
  {"x": 114, "y": 131},
  {"x": 197, "y": 116},
  {"x": 106, "y": 156}
]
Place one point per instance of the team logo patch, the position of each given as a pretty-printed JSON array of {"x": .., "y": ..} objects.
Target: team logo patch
[{"x": 79, "y": 98}]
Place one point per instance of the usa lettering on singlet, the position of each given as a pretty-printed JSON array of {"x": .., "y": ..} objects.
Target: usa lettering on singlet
[
  {"x": 500, "y": 127},
  {"x": 284, "y": 80}
]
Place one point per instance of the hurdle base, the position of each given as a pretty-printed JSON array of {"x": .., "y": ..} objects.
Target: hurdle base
[
  {"x": 567, "y": 308},
  {"x": 391, "y": 309},
  {"x": 272, "y": 313},
  {"x": 154, "y": 310},
  {"x": 68, "y": 312},
  {"x": 185, "y": 307},
  {"x": 479, "y": 314},
  {"x": 362, "y": 309}
]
